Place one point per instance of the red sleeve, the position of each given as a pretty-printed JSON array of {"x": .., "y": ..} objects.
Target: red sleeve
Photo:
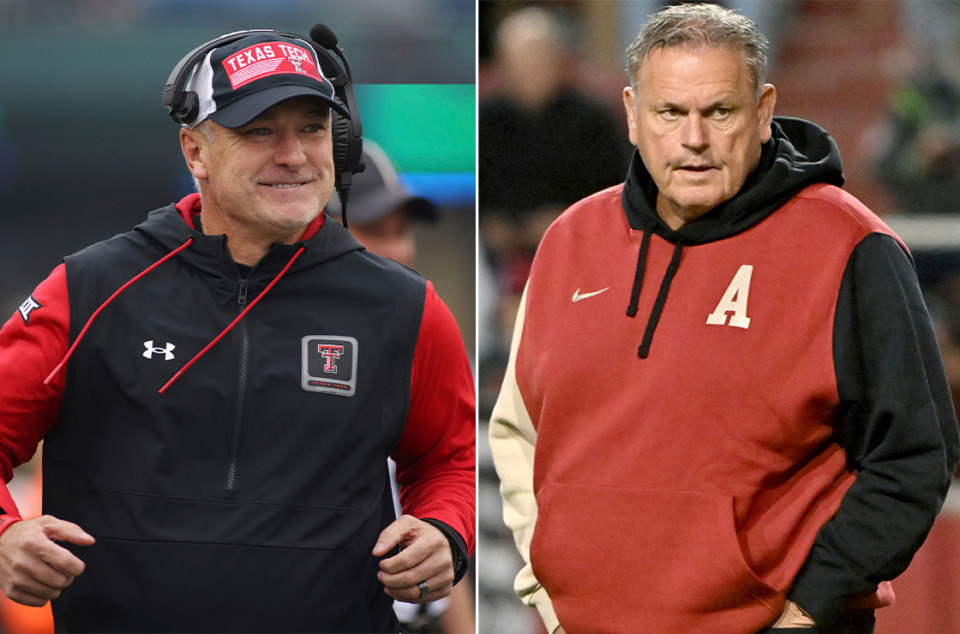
[
  {"x": 436, "y": 458},
  {"x": 32, "y": 342}
]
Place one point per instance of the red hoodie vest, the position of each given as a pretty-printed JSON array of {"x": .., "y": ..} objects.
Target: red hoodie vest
[{"x": 687, "y": 487}]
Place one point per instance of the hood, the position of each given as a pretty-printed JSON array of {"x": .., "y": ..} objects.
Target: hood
[{"x": 798, "y": 154}]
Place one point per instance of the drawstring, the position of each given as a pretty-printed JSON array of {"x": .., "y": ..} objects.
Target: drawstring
[
  {"x": 147, "y": 270},
  {"x": 235, "y": 321},
  {"x": 86, "y": 326},
  {"x": 644, "y": 350},
  {"x": 638, "y": 278}
]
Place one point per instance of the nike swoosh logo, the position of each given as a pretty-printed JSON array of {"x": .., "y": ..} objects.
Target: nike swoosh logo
[{"x": 577, "y": 295}]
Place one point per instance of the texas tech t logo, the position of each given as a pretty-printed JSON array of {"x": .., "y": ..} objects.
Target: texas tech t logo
[
  {"x": 330, "y": 353},
  {"x": 329, "y": 364},
  {"x": 733, "y": 304}
]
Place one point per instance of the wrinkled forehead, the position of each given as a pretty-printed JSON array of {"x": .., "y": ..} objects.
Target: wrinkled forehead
[{"x": 696, "y": 62}]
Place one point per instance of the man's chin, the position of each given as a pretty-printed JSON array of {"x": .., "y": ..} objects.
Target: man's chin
[
  {"x": 293, "y": 217},
  {"x": 699, "y": 203}
]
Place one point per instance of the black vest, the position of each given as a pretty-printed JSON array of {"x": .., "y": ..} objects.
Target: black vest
[{"x": 248, "y": 496}]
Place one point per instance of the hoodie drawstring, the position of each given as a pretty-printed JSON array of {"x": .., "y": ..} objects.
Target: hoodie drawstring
[
  {"x": 235, "y": 321},
  {"x": 638, "y": 277},
  {"x": 86, "y": 326},
  {"x": 644, "y": 350}
]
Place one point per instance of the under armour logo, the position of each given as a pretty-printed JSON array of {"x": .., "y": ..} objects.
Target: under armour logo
[{"x": 167, "y": 351}]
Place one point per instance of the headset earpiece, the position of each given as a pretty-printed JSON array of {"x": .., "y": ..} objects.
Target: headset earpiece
[
  {"x": 184, "y": 105},
  {"x": 340, "y": 127},
  {"x": 189, "y": 110}
]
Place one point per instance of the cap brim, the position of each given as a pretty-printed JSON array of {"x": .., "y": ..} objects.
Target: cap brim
[{"x": 245, "y": 110}]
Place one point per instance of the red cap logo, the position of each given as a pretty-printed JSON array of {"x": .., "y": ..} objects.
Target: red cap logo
[{"x": 270, "y": 58}]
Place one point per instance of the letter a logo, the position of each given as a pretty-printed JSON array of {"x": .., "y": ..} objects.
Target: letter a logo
[{"x": 734, "y": 301}]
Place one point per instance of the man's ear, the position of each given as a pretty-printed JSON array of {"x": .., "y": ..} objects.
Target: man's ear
[
  {"x": 193, "y": 144},
  {"x": 629, "y": 97},
  {"x": 768, "y": 99}
]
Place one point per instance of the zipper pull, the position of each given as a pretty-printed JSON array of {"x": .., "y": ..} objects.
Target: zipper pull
[{"x": 242, "y": 299}]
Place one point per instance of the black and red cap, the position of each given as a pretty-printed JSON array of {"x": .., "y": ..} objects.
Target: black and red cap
[{"x": 238, "y": 81}]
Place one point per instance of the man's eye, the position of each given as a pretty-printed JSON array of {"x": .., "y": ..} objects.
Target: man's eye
[
  {"x": 722, "y": 113},
  {"x": 669, "y": 114},
  {"x": 258, "y": 131}
]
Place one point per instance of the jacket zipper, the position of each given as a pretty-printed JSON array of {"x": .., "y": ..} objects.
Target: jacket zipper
[{"x": 231, "y": 483}]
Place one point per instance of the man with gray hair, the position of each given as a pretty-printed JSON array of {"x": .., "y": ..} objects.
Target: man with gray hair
[{"x": 724, "y": 409}]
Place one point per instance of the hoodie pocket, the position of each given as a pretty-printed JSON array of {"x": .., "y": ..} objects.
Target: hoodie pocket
[{"x": 668, "y": 557}]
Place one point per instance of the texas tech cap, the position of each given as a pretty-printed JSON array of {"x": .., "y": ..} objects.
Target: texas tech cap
[{"x": 238, "y": 81}]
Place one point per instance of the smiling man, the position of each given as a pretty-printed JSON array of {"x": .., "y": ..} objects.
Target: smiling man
[
  {"x": 220, "y": 389},
  {"x": 724, "y": 409},
  {"x": 263, "y": 182}
]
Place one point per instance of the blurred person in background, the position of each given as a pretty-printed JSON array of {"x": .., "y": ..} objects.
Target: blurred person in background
[
  {"x": 917, "y": 153},
  {"x": 527, "y": 171},
  {"x": 763, "y": 438},
  {"x": 249, "y": 490},
  {"x": 381, "y": 216}
]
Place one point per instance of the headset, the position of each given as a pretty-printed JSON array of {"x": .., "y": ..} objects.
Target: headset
[{"x": 184, "y": 105}]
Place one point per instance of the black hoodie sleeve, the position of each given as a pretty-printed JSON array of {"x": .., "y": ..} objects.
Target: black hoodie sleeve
[{"x": 898, "y": 428}]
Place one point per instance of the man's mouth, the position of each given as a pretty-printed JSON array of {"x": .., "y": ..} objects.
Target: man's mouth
[{"x": 285, "y": 185}]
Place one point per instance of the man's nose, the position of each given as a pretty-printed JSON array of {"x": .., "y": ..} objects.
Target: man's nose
[
  {"x": 289, "y": 149},
  {"x": 694, "y": 133}
]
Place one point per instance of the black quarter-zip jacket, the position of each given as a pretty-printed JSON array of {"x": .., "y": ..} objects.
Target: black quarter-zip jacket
[{"x": 247, "y": 496}]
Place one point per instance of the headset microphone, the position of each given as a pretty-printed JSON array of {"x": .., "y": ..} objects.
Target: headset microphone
[
  {"x": 350, "y": 150},
  {"x": 322, "y": 35}
]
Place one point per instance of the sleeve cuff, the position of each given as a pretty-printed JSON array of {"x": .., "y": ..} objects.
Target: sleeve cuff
[
  {"x": 458, "y": 548},
  {"x": 823, "y": 604}
]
